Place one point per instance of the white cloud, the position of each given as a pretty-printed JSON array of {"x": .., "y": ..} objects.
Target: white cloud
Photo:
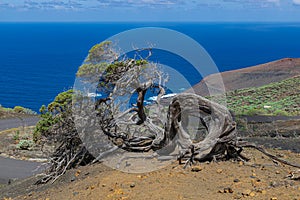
[
  {"x": 155, "y": 4},
  {"x": 296, "y": 2},
  {"x": 84, "y": 4}
]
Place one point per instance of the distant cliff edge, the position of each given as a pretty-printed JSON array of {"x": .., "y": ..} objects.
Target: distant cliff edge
[{"x": 255, "y": 76}]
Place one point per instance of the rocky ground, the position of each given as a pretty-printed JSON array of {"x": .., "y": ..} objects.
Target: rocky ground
[
  {"x": 260, "y": 178},
  {"x": 10, "y": 145}
]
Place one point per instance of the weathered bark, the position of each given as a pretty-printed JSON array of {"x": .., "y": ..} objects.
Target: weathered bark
[
  {"x": 106, "y": 126},
  {"x": 220, "y": 143},
  {"x": 140, "y": 105}
]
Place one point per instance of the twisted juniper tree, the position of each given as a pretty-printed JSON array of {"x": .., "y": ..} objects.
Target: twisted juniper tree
[
  {"x": 118, "y": 117},
  {"x": 135, "y": 126}
]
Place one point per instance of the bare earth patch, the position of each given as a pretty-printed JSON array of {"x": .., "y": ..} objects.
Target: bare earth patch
[
  {"x": 260, "y": 178},
  {"x": 10, "y": 144}
]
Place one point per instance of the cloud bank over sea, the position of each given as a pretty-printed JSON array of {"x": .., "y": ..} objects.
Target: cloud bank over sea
[{"x": 150, "y": 10}]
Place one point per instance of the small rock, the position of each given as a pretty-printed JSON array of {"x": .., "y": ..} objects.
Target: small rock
[
  {"x": 73, "y": 178},
  {"x": 30, "y": 194},
  {"x": 252, "y": 194},
  {"x": 274, "y": 184},
  {"x": 277, "y": 172},
  {"x": 273, "y": 198},
  {"x": 196, "y": 169},
  {"x": 92, "y": 187},
  {"x": 246, "y": 192},
  {"x": 219, "y": 171},
  {"x": 228, "y": 190},
  {"x": 236, "y": 180},
  {"x": 264, "y": 192},
  {"x": 261, "y": 191},
  {"x": 87, "y": 173},
  {"x": 237, "y": 196},
  {"x": 75, "y": 193},
  {"x": 77, "y": 173},
  {"x": 103, "y": 185},
  {"x": 132, "y": 185},
  {"x": 255, "y": 183},
  {"x": 280, "y": 155}
]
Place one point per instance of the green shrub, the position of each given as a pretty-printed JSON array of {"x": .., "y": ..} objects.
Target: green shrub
[
  {"x": 16, "y": 135},
  {"x": 281, "y": 113},
  {"x": 278, "y": 95},
  {"x": 256, "y": 111},
  {"x": 19, "y": 109},
  {"x": 25, "y": 144},
  {"x": 52, "y": 114},
  {"x": 22, "y": 110}
]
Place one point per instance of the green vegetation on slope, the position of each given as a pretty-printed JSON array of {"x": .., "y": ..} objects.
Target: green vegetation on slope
[
  {"x": 280, "y": 98},
  {"x": 15, "y": 112},
  {"x": 53, "y": 114}
]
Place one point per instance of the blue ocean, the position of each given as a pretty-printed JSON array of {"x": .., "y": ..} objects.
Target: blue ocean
[{"x": 39, "y": 60}]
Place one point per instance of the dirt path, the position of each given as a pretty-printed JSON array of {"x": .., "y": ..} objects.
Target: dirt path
[
  {"x": 11, "y": 169},
  {"x": 17, "y": 122}
]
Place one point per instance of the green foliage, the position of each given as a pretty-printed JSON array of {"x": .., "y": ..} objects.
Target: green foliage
[
  {"x": 61, "y": 102},
  {"x": 90, "y": 69},
  {"x": 255, "y": 111},
  {"x": 281, "y": 113},
  {"x": 99, "y": 52},
  {"x": 52, "y": 114},
  {"x": 16, "y": 136},
  {"x": 280, "y": 98},
  {"x": 19, "y": 109},
  {"x": 16, "y": 110},
  {"x": 116, "y": 70},
  {"x": 43, "y": 126},
  {"x": 97, "y": 60},
  {"x": 25, "y": 144}
]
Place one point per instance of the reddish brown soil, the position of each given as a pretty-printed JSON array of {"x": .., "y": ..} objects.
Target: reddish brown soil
[
  {"x": 258, "y": 179},
  {"x": 252, "y": 76}
]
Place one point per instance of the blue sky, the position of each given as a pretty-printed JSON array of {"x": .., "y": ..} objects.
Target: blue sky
[{"x": 150, "y": 10}]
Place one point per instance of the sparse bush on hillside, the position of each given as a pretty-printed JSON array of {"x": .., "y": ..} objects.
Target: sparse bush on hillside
[
  {"x": 282, "y": 98},
  {"x": 281, "y": 113},
  {"x": 255, "y": 111},
  {"x": 19, "y": 109},
  {"x": 25, "y": 144},
  {"x": 16, "y": 136}
]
